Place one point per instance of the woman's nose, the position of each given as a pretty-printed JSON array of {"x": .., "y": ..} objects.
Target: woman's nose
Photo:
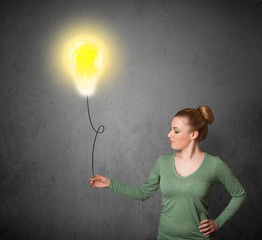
[{"x": 169, "y": 134}]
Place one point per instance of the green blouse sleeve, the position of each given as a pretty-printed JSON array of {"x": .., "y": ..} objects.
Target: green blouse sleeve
[
  {"x": 143, "y": 192},
  {"x": 227, "y": 179}
]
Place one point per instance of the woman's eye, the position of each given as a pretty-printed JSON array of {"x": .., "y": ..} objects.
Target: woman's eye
[{"x": 177, "y": 130}]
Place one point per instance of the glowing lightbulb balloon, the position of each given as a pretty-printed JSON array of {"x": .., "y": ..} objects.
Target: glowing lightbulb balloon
[
  {"x": 86, "y": 67},
  {"x": 86, "y": 64}
]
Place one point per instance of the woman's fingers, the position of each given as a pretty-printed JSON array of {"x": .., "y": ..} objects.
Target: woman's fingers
[
  {"x": 204, "y": 221},
  {"x": 95, "y": 178},
  {"x": 204, "y": 225},
  {"x": 207, "y": 230},
  {"x": 208, "y": 226},
  {"x": 99, "y": 181}
]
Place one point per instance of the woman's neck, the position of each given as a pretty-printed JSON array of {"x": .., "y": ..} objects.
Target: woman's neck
[{"x": 191, "y": 151}]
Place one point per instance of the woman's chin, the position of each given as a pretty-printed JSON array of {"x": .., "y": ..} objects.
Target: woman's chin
[{"x": 174, "y": 147}]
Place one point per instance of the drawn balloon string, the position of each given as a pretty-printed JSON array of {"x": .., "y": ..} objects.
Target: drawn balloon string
[{"x": 86, "y": 64}]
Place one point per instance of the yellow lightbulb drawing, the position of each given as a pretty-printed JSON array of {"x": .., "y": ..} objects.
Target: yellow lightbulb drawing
[{"x": 86, "y": 63}]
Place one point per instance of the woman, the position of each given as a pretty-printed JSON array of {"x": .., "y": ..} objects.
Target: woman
[{"x": 185, "y": 178}]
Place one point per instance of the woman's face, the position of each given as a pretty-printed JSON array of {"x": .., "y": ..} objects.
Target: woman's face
[{"x": 180, "y": 134}]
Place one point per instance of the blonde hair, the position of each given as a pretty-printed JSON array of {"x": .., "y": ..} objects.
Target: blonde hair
[{"x": 198, "y": 119}]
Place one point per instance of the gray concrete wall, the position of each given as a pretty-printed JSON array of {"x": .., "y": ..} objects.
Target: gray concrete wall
[{"x": 171, "y": 55}]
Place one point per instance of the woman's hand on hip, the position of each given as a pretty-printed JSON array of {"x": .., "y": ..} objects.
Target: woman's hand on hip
[
  {"x": 208, "y": 226},
  {"x": 99, "y": 181}
]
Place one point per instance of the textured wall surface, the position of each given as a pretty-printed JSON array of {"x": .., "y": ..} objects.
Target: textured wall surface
[{"x": 174, "y": 54}]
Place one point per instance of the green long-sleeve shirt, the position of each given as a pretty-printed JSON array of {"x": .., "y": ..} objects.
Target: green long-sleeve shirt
[{"x": 185, "y": 200}]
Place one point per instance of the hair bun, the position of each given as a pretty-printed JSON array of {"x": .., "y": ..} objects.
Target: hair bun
[{"x": 207, "y": 113}]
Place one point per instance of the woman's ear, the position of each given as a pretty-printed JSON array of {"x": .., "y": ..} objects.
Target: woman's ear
[{"x": 194, "y": 135}]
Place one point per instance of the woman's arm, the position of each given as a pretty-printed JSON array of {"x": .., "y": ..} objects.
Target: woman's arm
[
  {"x": 143, "y": 192},
  {"x": 227, "y": 179}
]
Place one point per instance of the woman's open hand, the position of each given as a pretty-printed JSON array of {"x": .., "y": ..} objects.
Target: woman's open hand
[
  {"x": 208, "y": 226},
  {"x": 99, "y": 181}
]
